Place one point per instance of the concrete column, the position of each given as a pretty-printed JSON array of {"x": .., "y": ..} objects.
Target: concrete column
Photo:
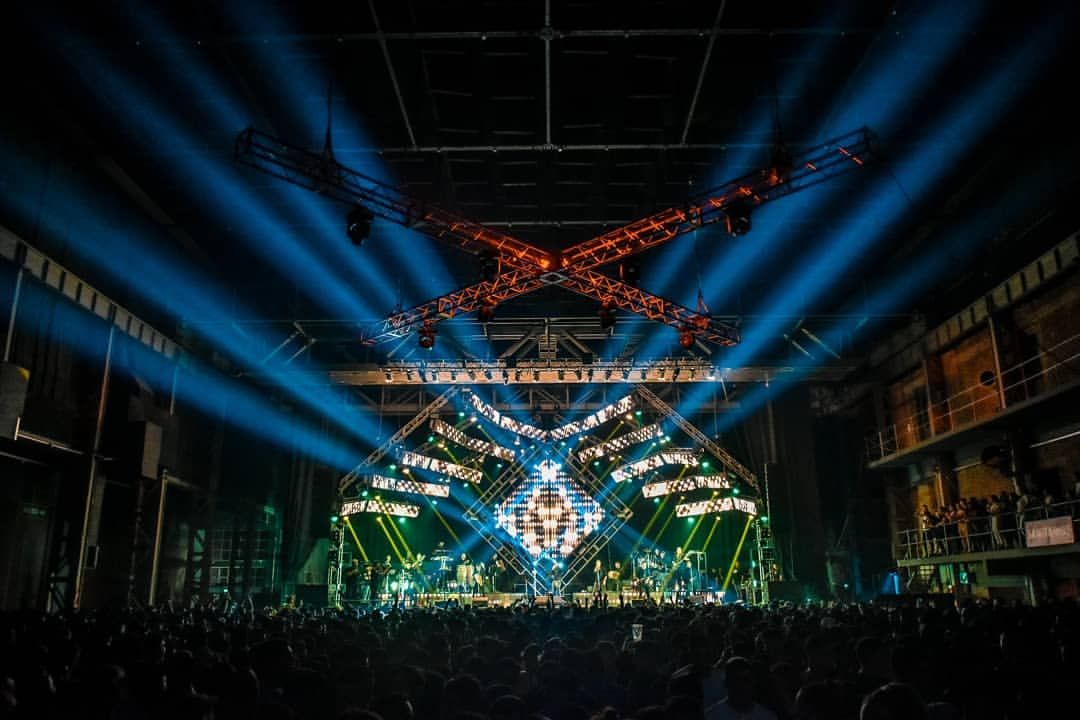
[
  {"x": 95, "y": 487},
  {"x": 948, "y": 489}
]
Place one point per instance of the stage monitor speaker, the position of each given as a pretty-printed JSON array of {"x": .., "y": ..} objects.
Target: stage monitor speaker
[
  {"x": 788, "y": 590},
  {"x": 13, "y": 384}
]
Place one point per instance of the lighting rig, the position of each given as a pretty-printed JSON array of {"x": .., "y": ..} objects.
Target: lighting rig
[
  {"x": 548, "y": 502},
  {"x": 524, "y": 268},
  {"x": 574, "y": 372}
]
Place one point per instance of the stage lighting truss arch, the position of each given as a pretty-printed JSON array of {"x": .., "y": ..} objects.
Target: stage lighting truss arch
[{"x": 589, "y": 422}]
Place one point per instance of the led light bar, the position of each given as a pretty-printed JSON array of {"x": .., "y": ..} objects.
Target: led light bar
[
  {"x": 685, "y": 484},
  {"x": 423, "y": 462},
  {"x": 620, "y": 443},
  {"x": 589, "y": 422},
  {"x": 595, "y": 420},
  {"x": 716, "y": 505},
  {"x": 475, "y": 444},
  {"x": 506, "y": 422},
  {"x": 673, "y": 456},
  {"x": 405, "y": 485},
  {"x": 379, "y": 507}
]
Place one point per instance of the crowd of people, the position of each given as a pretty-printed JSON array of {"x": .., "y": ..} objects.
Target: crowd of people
[
  {"x": 858, "y": 662},
  {"x": 988, "y": 523}
]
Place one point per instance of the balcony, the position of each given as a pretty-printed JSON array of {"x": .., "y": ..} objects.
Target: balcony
[
  {"x": 1050, "y": 373},
  {"x": 952, "y": 542}
]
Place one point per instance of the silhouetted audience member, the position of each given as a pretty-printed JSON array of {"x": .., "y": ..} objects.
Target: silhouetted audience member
[{"x": 844, "y": 662}]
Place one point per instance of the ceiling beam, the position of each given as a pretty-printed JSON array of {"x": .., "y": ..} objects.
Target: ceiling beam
[
  {"x": 393, "y": 76},
  {"x": 704, "y": 69},
  {"x": 557, "y": 34}
]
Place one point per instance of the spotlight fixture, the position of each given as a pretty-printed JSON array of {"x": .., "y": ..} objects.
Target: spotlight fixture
[
  {"x": 686, "y": 338},
  {"x": 607, "y": 315},
  {"x": 358, "y": 224},
  {"x": 427, "y": 335},
  {"x": 486, "y": 313}
]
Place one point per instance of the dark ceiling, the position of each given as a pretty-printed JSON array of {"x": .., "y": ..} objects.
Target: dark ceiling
[{"x": 552, "y": 121}]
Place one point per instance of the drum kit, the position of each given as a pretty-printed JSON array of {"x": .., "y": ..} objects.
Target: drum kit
[{"x": 656, "y": 571}]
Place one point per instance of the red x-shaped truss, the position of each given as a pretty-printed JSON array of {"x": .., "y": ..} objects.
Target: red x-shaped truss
[{"x": 528, "y": 268}]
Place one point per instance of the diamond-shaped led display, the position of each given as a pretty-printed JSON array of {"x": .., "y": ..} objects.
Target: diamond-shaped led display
[{"x": 549, "y": 514}]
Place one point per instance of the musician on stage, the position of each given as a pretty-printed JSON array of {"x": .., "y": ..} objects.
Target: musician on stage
[
  {"x": 598, "y": 575},
  {"x": 614, "y": 575},
  {"x": 498, "y": 576},
  {"x": 352, "y": 579},
  {"x": 682, "y": 574},
  {"x": 376, "y": 573},
  {"x": 442, "y": 558},
  {"x": 480, "y": 582},
  {"x": 464, "y": 574}
]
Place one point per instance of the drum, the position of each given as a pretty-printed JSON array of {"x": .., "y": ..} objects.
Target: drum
[{"x": 464, "y": 575}]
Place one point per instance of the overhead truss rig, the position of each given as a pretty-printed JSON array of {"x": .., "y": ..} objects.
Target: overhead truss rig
[
  {"x": 526, "y": 268},
  {"x": 570, "y": 372}
]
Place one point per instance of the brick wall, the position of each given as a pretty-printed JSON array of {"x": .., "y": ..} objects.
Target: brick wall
[
  {"x": 963, "y": 365},
  {"x": 903, "y": 406},
  {"x": 1052, "y": 318},
  {"x": 1051, "y": 315},
  {"x": 921, "y": 494},
  {"x": 981, "y": 481},
  {"x": 1058, "y": 462}
]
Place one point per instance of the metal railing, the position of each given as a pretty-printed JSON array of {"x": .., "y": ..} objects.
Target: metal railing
[
  {"x": 979, "y": 533},
  {"x": 1048, "y": 369}
]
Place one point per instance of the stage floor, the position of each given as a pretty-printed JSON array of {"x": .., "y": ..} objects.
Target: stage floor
[{"x": 613, "y": 599}]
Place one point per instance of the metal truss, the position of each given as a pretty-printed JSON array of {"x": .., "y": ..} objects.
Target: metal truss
[
  {"x": 732, "y": 465},
  {"x": 403, "y": 432},
  {"x": 321, "y": 173},
  {"x": 570, "y": 372},
  {"x": 811, "y": 167},
  {"x": 531, "y": 268}
]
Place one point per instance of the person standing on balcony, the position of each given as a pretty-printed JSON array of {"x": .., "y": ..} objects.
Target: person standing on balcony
[
  {"x": 996, "y": 537},
  {"x": 926, "y": 530},
  {"x": 960, "y": 516},
  {"x": 1022, "y": 503}
]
